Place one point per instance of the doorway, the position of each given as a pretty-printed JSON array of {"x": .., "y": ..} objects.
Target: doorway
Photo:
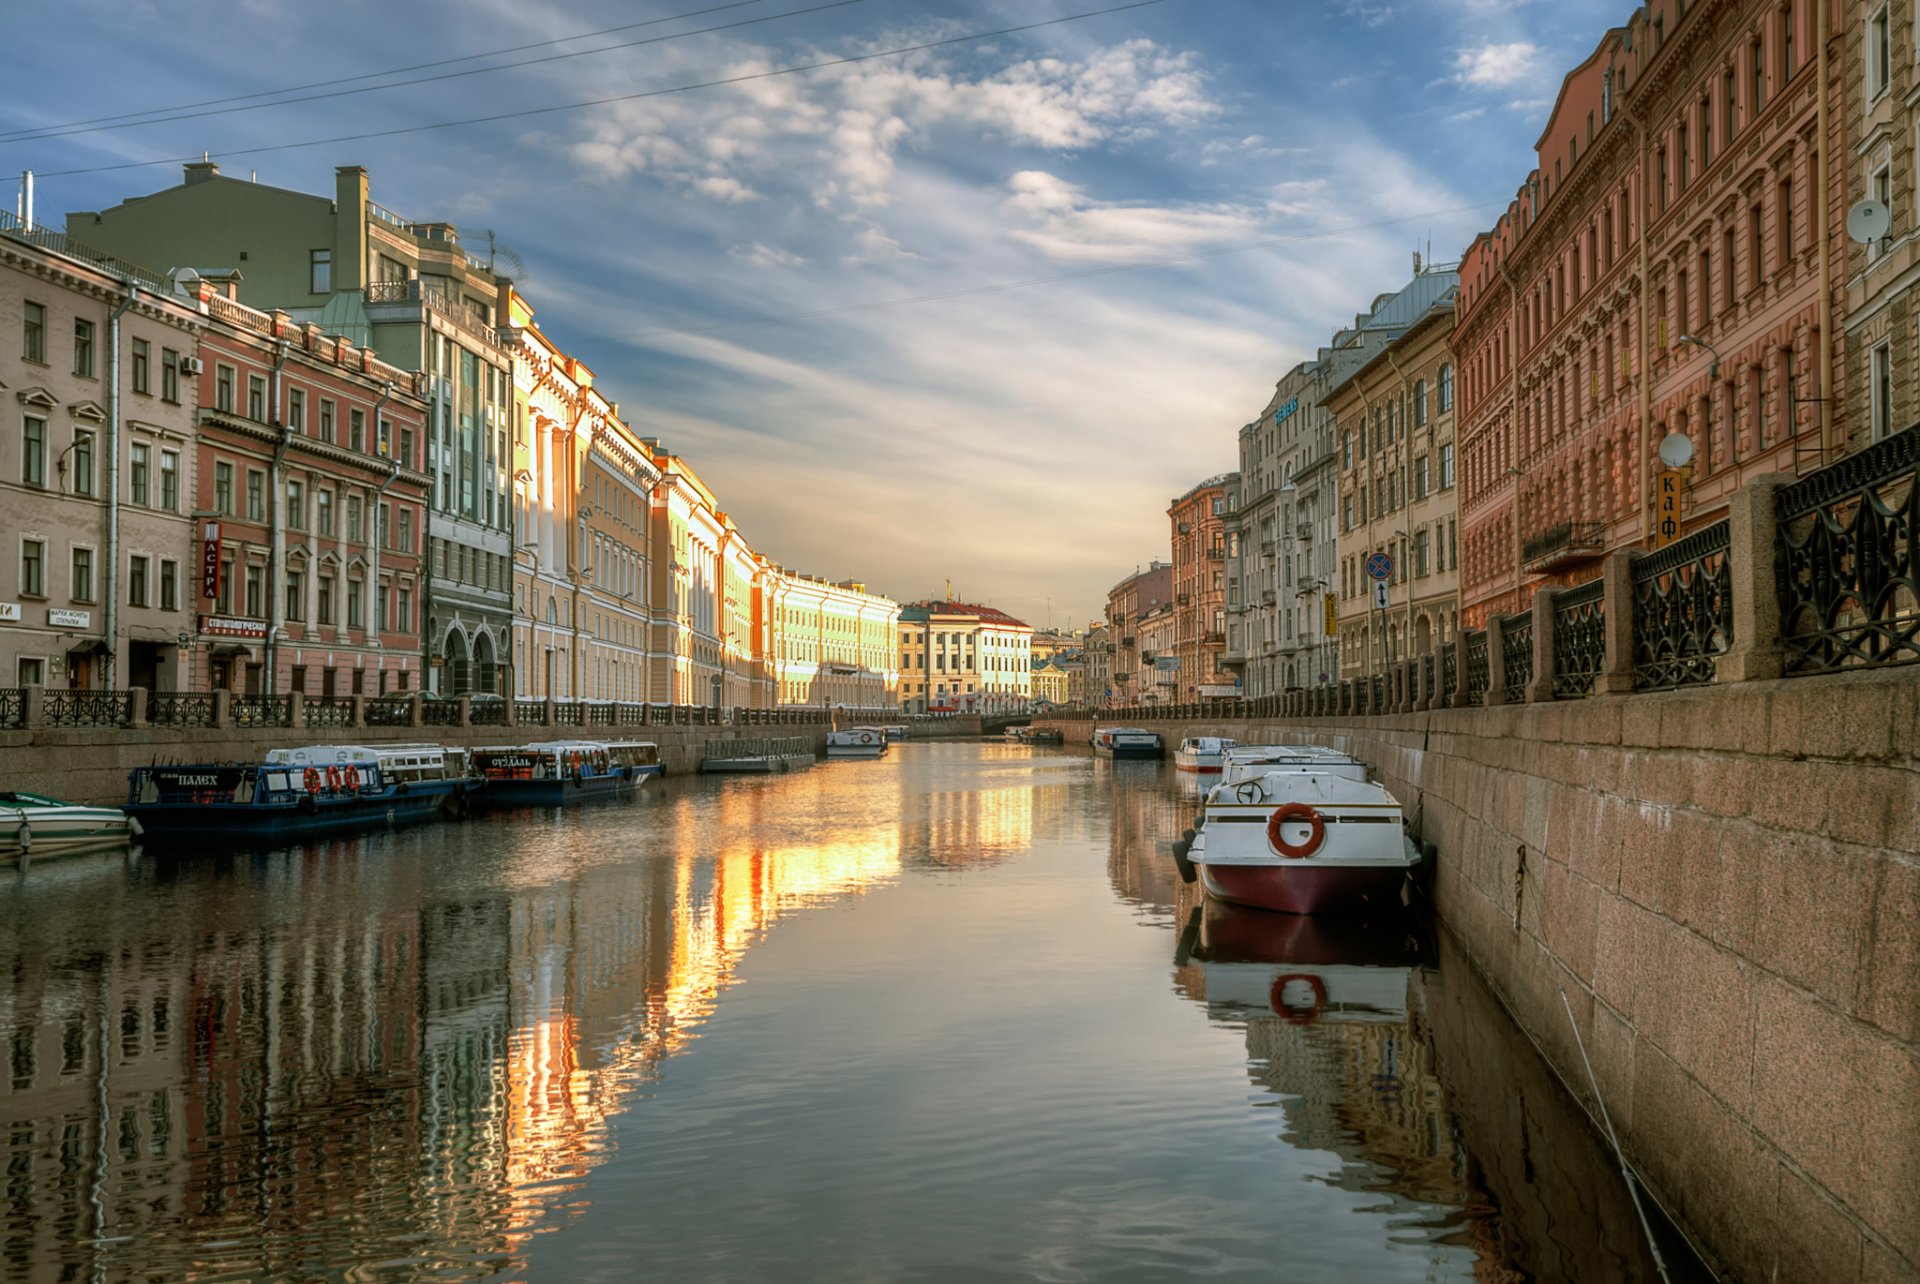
[{"x": 143, "y": 665}]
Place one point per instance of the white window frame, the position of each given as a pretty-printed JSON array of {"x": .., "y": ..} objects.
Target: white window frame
[
  {"x": 1879, "y": 377},
  {"x": 1880, "y": 187},
  {"x": 1879, "y": 53}
]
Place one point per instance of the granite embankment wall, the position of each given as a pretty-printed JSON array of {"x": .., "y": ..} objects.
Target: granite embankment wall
[{"x": 1724, "y": 882}]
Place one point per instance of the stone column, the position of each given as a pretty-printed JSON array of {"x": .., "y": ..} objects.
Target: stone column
[
  {"x": 137, "y": 708},
  {"x": 1754, "y": 610},
  {"x": 297, "y": 709},
  {"x": 413, "y": 709},
  {"x": 1423, "y": 690},
  {"x": 222, "y": 710},
  {"x": 1461, "y": 641},
  {"x": 1616, "y": 673},
  {"x": 1540, "y": 690},
  {"x": 33, "y": 708},
  {"x": 465, "y": 705},
  {"x": 546, "y": 712},
  {"x": 1496, "y": 661},
  {"x": 357, "y": 711}
]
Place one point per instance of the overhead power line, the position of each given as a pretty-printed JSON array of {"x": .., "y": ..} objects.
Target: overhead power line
[
  {"x": 1031, "y": 282},
  {"x": 426, "y": 80},
  {"x": 617, "y": 98},
  {"x": 7, "y": 135}
]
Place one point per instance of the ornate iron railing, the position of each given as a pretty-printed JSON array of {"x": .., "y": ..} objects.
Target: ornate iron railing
[
  {"x": 389, "y": 711},
  {"x": 487, "y": 713},
  {"x": 261, "y": 711},
  {"x": 1579, "y": 640},
  {"x": 328, "y": 711},
  {"x": 13, "y": 707},
  {"x": 566, "y": 715},
  {"x": 180, "y": 708},
  {"x": 1426, "y": 676},
  {"x": 1449, "y": 670},
  {"x": 1479, "y": 667},
  {"x": 86, "y": 708},
  {"x": 1846, "y": 553},
  {"x": 1516, "y": 651},
  {"x": 439, "y": 713},
  {"x": 1682, "y": 610},
  {"x": 1563, "y": 541}
]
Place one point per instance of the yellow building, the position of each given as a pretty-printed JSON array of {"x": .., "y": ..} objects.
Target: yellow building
[
  {"x": 960, "y": 658},
  {"x": 833, "y": 643},
  {"x": 582, "y": 491}
]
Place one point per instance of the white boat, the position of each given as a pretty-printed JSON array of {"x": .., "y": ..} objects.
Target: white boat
[
  {"x": 558, "y": 772},
  {"x": 1202, "y": 753},
  {"x": 447, "y": 774},
  {"x": 36, "y": 826},
  {"x": 1313, "y": 838},
  {"x": 857, "y": 742},
  {"x": 896, "y": 732},
  {"x": 1247, "y": 762},
  {"x": 1127, "y": 742}
]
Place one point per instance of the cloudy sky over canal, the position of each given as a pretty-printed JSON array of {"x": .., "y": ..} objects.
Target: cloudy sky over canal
[{"x": 795, "y": 279}]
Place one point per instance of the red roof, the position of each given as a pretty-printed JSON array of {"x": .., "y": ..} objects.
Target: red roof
[{"x": 986, "y": 614}]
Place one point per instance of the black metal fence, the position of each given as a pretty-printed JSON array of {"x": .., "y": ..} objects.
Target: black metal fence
[
  {"x": 86, "y": 708},
  {"x": 1579, "y": 640},
  {"x": 261, "y": 711},
  {"x": 1516, "y": 653},
  {"x": 1682, "y": 610},
  {"x": 325, "y": 711}
]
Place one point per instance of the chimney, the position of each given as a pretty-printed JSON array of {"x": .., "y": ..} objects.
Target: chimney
[
  {"x": 201, "y": 171},
  {"x": 1416, "y": 263},
  {"x": 349, "y": 228}
]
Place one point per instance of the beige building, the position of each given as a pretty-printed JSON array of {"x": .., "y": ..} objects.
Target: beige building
[
  {"x": 1200, "y": 536},
  {"x": 834, "y": 643},
  {"x": 1162, "y": 663},
  {"x": 98, "y": 377},
  {"x": 1394, "y": 425},
  {"x": 1127, "y": 601},
  {"x": 960, "y": 658},
  {"x": 685, "y": 603},
  {"x": 1881, "y": 322},
  {"x": 582, "y": 507}
]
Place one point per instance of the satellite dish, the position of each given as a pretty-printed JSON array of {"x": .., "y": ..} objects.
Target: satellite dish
[
  {"x": 1676, "y": 448},
  {"x": 1868, "y": 221}
]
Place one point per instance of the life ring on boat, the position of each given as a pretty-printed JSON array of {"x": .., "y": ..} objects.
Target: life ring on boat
[
  {"x": 312, "y": 780},
  {"x": 1292, "y": 1013},
  {"x": 1296, "y": 811},
  {"x": 866, "y": 737},
  {"x": 333, "y": 778},
  {"x": 350, "y": 779}
]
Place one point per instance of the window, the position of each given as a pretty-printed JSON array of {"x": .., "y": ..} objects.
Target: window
[
  {"x": 1681, "y": 139},
  {"x": 1346, "y": 515},
  {"x": 319, "y": 271},
  {"x": 353, "y": 518},
  {"x": 169, "y": 584},
  {"x": 1684, "y": 297},
  {"x": 33, "y": 333},
  {"x": 223, "y": 488},
  {"x": 256, "y": 590},
  {"x": 223, "y": 377},
  {"x": 1420, "y": 477},
  {"x": 1706, "y": 289},
  {"x": 169, "y": 375},
  {"x": 406, "y": 532},
  {"x": 170, "y": 480},
  {"x": 1729, "y": 90},
  {"x": 1706, "y": 133},
  {"x": 326, "y": 419},
  {"x": 406, "y": 447},
  {"x": 297, "y": 409},
  {"x": 404, "y": 622},
  {"x": 142, "y": 366},
  {"x": 1788, "y": 65},
  {"x": 323, "y": 511},
  {"x": 1880, "y": 188},
  {"x": 83, "y": 348},
  {"x": 1419, "y": 403},
  {"x": 383, "y": 531},
  {"x": 324, "y": 601},
  {"x": 256, "y": 495},
  {"x": 1420, "y": 554},
  {"x": 1786, "y": 222},
  {"x": 140, "y": 455},
  {"x": 1879, "y": 55},
  {"x": 296, "y": 506},
  {"x": 296, "y": 597},
  {"x": 1660, "y": 177},
  {"x": 357, "y": 429},
  {"x": 82, "y": 462},
  {"x": 1346, "y": 450},
  {"x": 1757, "y": 71},
  {"x": 137, "y": 568},
  {"x": 33, "y": 568},
  {"x": 356, "y": 604},
  {"x": 257, "y": 398},
  {"x": 1446, "y": 388},
  {"x": 33, "y": 451},
  {"x": 81, "y": 585},
  {"x": 223, "y": 600},
  {"x": 1446, "y": 466}
]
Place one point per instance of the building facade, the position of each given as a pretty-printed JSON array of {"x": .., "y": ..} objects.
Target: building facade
[
  {"x": 956, "y": 657},
  {"x": 835, "y": 645},
  {"x": 583, "y": 509},
  {"x": 1670, "y": 268},
  {"x": 1200, "y": 537},
  {"x": 689, "y": 662},
  {"x": 1394, "y": 427},
  {"x": 96, "y": 467},
  {"x": 310, "y": 498},
  {"x": 1127, "y": 602},
  {"x": 427, "y": 304}
]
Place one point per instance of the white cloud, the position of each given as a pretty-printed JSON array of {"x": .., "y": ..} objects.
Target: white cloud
[
  {"x": 1461, "y": 117},
  {"x": 762, "y": 255},
  {"x": 1067, "y": 224},
  {"x": 1497, "y": 66},
  {"x": 722, "y": 187}
]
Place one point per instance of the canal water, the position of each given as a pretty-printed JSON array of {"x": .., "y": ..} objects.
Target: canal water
[{"x": 947, "y": 1016}]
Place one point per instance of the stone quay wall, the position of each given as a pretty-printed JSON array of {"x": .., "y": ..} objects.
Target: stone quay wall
[{"x": 1723, "y": 880}]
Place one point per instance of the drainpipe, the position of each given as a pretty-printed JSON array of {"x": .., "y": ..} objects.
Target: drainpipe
[
  {"x": 276, "y": 534},
  {"x": 1513, "y": 417},
  {"x": 1820, "y": 219},
  {"x": 112, "y": 620},
  {"x": 376, "y": 598}
]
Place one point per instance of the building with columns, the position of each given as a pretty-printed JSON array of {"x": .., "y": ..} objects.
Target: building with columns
[
  {"x": 1199, "y": 522},
  {"x": 835, "y": 645},
  {"x": 957, "y": 657},
  {"x": 1393, "y": 416},
  {"x": 1672, "y": 264},
  {"x": 426, "y": 302},
  {"x": 583, "y": 509}
]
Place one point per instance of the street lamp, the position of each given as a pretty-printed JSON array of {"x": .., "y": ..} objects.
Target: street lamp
[{"x": 1713, "y": 370}]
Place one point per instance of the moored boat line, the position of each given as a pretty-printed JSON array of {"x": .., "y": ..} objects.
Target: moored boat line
[
  {"x": 35, "y": 825},
  {"x": 1127, "y": 742}
]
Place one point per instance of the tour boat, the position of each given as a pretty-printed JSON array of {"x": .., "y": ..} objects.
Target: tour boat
[
  {"x": 1127, "y": 742},
  {"x": 273, "y": 801},
  {"x": 1044, "y": 736},
  {"x": 1245, "y": 762},
  {"x": 446, "y": 774},
  {"x": 897, "y": 732},
  {"x": 1202, "y": 753},
  {"x": 34, "y": 826},
  {"x": 857, "y": 742},
  {"x": 1306, "y": 839},
  {"x": 558, "y": 772}
]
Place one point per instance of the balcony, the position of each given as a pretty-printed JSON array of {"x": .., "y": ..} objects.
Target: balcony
[
  {"x": 1566, "y": 544},
  {"x": 1305, "y": 531},
  {"x": 1127, "y": 642},
  {"x": 1213, "y": 639},
  {"x": 1217, "y": 553},
  {"x": 404, "y": 295},
  {"x": 1182, "y": 599}
]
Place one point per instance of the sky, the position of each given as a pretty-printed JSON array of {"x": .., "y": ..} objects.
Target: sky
[{"x": 974, "y": 313}]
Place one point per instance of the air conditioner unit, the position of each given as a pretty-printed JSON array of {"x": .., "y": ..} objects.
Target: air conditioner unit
[{"x": 192, "y": 365}]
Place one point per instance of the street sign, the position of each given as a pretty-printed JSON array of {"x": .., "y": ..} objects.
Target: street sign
[
  {"x": 1669, "y": 488},
  {"x": 1330, "y": 609},
  {"x": 1379, "y": 595},
  {"x": 1380, "y": 566}
]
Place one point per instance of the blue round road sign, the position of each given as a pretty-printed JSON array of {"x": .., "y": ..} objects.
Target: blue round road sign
[{"x": 1380, "y": 566}]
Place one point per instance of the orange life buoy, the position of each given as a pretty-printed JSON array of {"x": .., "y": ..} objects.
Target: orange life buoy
[
  {"x": 313, "y": 780},
  {"x": 1291, "y": 1013},
  {"x": 333, "y": 778},
  {"x": 350, "y": 777},
  {"x": 1296, "y": 811}
]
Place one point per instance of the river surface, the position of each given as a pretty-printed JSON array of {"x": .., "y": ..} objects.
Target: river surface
[{"x": 947, "y": 1016}]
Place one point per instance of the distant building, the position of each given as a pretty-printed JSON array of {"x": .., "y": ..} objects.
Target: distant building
[
  {"x": 1199, "y": 536},
  {"x": 1127, "y": 601},
  {"x": 1163, "y": 678},
  {"x": 834, "y": 644},
  {"x": 960, "y": 658}
]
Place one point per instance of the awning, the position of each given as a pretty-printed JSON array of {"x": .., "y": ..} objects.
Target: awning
[
  {"x": 229, "y": 648},
  {"x": 93, "y": 646}
]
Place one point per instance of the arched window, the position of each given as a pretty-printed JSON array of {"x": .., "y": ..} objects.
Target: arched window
[{"x": 1446, "y": 388}]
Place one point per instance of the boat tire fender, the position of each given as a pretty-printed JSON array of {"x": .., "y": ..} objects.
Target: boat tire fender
[
  {"x": 24, "y": 836},
  {"x": 401, "y": 788},
  {"x": 307, "y": 806},
  {"x": 1181, "y": 861},
  {"x": 1296, "y": 811}
]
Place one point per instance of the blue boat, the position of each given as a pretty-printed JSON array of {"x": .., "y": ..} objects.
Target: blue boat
[
  {"x": 446, "y": 773},
  {"x": 335, "y": 791},
  {"x": 556, "y": 773}
]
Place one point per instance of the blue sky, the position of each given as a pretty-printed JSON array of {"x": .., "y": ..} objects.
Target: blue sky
[{"x": 1287, "y": 158}]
